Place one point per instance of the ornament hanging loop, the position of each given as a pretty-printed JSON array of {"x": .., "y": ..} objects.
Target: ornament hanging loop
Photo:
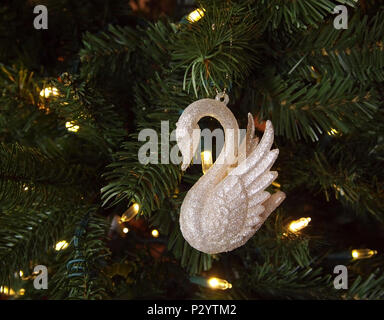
[{"x": 222, "y": 97}]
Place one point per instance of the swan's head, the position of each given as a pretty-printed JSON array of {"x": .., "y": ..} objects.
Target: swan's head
[{"x": 188, "y": 138}]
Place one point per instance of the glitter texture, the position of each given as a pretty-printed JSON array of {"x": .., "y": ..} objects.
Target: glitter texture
[{"x": 228, "y": 204}]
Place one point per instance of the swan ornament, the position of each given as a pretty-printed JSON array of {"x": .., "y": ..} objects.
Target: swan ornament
[{"x": 228, "y": 204}]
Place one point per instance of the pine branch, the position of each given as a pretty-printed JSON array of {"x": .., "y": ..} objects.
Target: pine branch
[
  {"x": 122, "y": 51},
  {"x": 340, "y": 172},
  {"x": 301, "y": 110},
  {"x": 371, "y": 288},
  {"x": 221, "y": 45},
  {"x": 82, "y": 105},
  {"x": 113, "y": 48},
  {"x": 356, "y": 51},
  {"x": 284, "y": 282},
  {"x": 295, "y": 16},
  {"x": 28, "y": 236},
  {"x": 81, "y": 276},
  {"x": 147, "y": 184},
  {"x": 23, "y": 182}
]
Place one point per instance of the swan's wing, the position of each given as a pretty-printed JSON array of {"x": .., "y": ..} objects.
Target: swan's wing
[
  {"x": 238, "y": 205},
  {"x": 249, "y": 142}
]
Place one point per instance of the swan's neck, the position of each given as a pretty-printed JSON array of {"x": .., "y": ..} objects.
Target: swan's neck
[{"x": 228, "y": 155}]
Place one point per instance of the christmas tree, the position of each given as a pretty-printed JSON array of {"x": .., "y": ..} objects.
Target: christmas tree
[{"x": 80, "y": 81}]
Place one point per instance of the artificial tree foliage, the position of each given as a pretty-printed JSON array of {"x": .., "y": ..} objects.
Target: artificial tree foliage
[{"x": 120, "y": 67}]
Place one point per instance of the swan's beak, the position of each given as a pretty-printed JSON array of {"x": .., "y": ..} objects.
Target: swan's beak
[
  {"x": 184, "y": 143},
  {"x": 187, "y": 154},
  {"x": 184, "y": 166},
  {"x": 187, "y": 140}
]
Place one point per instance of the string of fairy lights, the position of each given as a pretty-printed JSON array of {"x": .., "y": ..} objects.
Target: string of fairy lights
[{"x": 213, "y": 282}]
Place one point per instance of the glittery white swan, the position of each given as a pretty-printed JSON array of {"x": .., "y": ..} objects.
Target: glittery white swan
[{"x": 228, "y": 204}]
